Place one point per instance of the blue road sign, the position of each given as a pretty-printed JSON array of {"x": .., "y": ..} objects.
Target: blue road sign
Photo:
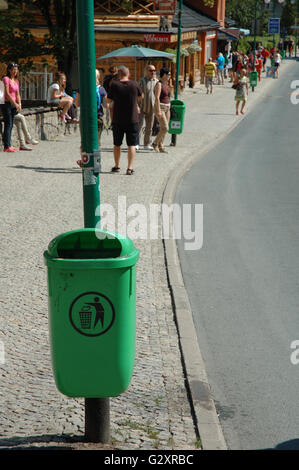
[{"x": 274, "y": 25}]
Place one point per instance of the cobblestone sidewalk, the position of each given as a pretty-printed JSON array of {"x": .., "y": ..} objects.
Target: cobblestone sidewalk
[{"x": 41, "y": 194}]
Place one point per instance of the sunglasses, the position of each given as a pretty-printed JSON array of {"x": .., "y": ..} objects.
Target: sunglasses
[
  {"x": 13, "y": 65},
  {"x": 152, "y": 70}
]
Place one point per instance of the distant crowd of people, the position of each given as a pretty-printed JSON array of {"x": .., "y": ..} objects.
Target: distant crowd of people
[
  {"x": 237, "y": 66},
  {"x": 132, "y": 105}
]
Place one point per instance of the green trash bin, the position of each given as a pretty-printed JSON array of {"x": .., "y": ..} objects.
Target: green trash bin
[
  {"x": 176, "y": 122},
  {"x": 253, "y": 78},
  {"x": 92, "y": 312}
]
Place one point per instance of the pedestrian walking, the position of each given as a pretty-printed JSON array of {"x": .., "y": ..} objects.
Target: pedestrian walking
[
  {"x": 210, "y": 72},
  {"x": 124, "y": 93},
  {"x": 241, "y": 87},
  {"x": 162, "y": 109},
  {"x": 291, "y": 46},
  {"x": 220, "y": 68},
  {"x": 259, "y": 66},
  {"x": 265, "y": 54},
  {"x": 108, "y": 79},
  {"x": 277, "y": 62},
  {"x": 101, "y": 104},
  {"x": 147, "y": 85},
  {"x": 12, "y": 104},
  {"x": 230, "y": 66}
]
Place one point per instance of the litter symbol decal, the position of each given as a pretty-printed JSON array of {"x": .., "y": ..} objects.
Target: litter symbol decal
[{"x": 92, "y": 314}]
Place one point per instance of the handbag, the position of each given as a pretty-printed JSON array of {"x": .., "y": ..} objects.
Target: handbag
[
  {"x": 156, "y": 127},
  {"x": 237, "y": 86}
]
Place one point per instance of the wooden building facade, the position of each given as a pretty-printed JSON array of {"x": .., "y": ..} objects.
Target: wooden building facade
[{"x": 116, "y": 27}]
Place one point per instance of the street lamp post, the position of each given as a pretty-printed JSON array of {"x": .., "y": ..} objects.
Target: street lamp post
[{"x": 178, "y": 57}]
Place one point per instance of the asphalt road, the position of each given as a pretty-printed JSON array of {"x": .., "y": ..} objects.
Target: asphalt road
[{"x": 243, "y": 284}]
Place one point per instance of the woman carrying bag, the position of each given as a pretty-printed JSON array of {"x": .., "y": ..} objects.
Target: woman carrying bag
[
  {"x": 162, "y": 109},
  {"x": 241, "y": 87}
]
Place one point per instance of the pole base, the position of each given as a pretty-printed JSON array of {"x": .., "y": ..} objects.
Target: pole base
[{"x": 97, "y": 420}]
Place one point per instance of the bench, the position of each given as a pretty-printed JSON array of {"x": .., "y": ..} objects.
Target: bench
[{"x": 43, "y": 123}]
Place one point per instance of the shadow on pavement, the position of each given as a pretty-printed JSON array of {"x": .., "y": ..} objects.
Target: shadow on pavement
[
  {"x": 38, "y": 442},
  {"x": 46, "y": 170}
]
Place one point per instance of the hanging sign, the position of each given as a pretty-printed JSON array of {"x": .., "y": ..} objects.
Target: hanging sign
[
  {"x": 274, "y": 25},
  {"x": 157, "y": 37},
  {"x": 164, "y": 7}
]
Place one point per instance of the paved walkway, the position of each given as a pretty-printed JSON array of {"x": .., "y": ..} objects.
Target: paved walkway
[{"x": 41, "y": 194}]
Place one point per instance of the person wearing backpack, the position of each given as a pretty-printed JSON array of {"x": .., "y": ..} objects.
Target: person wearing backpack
[{"x": 101, "y": 104}]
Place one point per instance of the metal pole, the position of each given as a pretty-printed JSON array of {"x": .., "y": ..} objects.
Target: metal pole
[
  {"x": 97, "y": 414},
  {"x": 297, "y": 9},
  {"x": 88, "y": 112},
  {"x": 97, "y": 420},
  {"x": 254, "y": 44},
  {"x": 274, "y": 13},
  {"x": 178, "y": 57}
]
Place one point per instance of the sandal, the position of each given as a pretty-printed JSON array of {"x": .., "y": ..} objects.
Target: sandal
[
  {"x": 115, "y": 169},
  {"x": 130, "y": 171}
]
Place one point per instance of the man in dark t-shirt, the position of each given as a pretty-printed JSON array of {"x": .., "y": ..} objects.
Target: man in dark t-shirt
[{"x": 124, "y": 93}]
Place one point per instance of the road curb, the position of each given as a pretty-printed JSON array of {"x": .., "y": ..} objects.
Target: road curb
[{"x": 202, "y": 402}]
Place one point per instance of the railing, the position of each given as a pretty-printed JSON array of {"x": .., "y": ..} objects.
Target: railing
[{"x": 34, "y": 85}]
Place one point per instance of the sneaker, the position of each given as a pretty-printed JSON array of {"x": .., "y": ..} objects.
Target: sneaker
[
  {"x": 10, "y": 149},
  {"x": 24, "y": 147},
  {"x": 137, "y": 148},
  {"x": 32, "y": 142},
  {"x": 62, "y": 117},
  {"x": 149, "y": 147}
]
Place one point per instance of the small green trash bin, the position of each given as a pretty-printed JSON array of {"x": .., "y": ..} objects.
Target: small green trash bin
[
  {"x": 176, "y": 123},
  {"x": 253, "y": 78},
  {"x": 92, "y": 312}
]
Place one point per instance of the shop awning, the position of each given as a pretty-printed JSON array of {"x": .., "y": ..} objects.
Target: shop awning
[{"x": 229, "y": 34}]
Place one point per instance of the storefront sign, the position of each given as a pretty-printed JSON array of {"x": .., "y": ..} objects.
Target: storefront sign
[
  {"x": 157, "y": 37},
  {"x": 164, "y": 7}
]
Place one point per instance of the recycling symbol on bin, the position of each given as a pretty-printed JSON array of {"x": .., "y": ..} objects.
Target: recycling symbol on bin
[{"x": 92, "y": 314}]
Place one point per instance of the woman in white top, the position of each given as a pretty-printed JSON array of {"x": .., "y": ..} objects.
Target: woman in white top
[
  {"x": 57, "y": 96},
  {"x": 277, "y": 61}
]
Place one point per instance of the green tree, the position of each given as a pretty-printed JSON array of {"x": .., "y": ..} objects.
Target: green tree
[
  {"x": 288, "y": 16},
  {"x": 60, "y": 19},
  {"x": 243, "y": 14},
  {"x": 17, "y": 44}
]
